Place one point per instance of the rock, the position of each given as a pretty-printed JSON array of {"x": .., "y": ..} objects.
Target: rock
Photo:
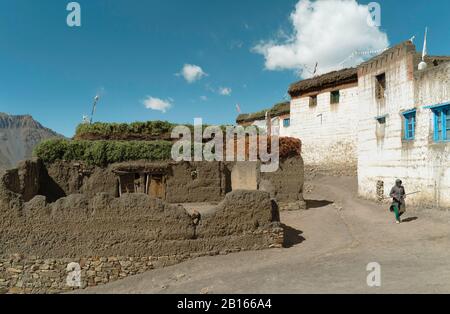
[
  {"x": 98, "y": 279},
  {"x": 13, "y": 270},
  {"x": 44, "y": 267},
  {"x": 90, "y": 273}
]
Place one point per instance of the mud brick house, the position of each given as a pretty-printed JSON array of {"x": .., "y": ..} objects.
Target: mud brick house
[
  {"x": 112, "y": 203},
  {"x": 123, "y": 218}
]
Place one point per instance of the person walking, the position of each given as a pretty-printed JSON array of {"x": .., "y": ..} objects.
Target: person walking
[{"x": 398, "y": 195}]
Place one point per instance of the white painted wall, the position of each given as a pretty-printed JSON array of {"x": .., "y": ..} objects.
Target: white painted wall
[
  {"x": 277, "y": 126},
  {"x": 328, "y": 132},
  {"x": 422, "y": 164},
  {"x": 284, "y": 131}
]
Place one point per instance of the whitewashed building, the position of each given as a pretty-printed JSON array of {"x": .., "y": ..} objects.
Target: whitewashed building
[
  {"x": 404, "y": 126},
  {"x": 385, "y": 118},
  {"x": 323, "y": 116}
]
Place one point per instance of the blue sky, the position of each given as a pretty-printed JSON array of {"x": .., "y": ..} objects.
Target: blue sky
[{"x": 131, "y": 50}]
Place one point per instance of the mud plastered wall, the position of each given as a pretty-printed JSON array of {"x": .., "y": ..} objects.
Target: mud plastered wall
[
  {"x": 193, "y": 182},
  {"x": 286, "y": 184},
  {"x": 187, "y": 182},
  {"x": 112, "y": 237}
]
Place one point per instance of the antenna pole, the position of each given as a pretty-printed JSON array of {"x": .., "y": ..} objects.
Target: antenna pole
[
  {"x": 424, "y": 53},
  {"x": 96, "y": 98}
]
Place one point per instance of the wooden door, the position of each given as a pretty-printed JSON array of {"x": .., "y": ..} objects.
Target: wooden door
[{"x": 157, "y": 187}]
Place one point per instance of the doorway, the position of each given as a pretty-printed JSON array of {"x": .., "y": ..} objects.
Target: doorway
[{"x": 156, "y": 186}]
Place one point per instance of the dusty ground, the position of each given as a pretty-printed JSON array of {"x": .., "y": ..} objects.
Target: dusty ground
[{"x": 330, "y": 246}]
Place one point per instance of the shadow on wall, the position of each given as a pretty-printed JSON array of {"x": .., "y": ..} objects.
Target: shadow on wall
[{"x": 49, "y": 187}]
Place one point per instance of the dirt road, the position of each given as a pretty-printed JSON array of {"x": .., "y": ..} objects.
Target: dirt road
[{"x": 331, "y": 244}]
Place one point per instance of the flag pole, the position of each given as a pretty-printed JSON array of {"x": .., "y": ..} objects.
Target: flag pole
[{"x": 424, "y": 52}]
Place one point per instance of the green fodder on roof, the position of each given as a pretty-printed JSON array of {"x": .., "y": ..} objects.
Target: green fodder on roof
[
  {"x": 147, "y": 131},
  {"x": 100, "y": 130},
  {"x": 101, "y": 153}
]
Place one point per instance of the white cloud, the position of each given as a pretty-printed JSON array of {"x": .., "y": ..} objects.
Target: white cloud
[
  {"x": 192, "y": 73},
  {"x": 225, "y": 91},
  {"x": 204, "y": 98},
  {"x": 157, "y": 104},
  {"x": 327, "y": 32}
]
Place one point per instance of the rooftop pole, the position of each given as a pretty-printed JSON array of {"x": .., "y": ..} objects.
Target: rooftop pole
[{"x": 96, "y": 99}]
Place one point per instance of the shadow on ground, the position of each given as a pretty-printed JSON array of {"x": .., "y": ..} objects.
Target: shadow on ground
[
  {"x": 310, "y": 204},
  {"x": 410, "y": 219},
  {"x": 292, "y": 236}
]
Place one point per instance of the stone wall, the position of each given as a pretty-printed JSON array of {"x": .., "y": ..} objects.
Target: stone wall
[{"x": 19, "y": 274}]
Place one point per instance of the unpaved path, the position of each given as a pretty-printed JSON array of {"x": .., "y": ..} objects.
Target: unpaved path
[{"x": 331, "y": 244}]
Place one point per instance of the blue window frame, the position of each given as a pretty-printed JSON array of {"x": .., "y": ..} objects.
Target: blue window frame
[
  {"x": 409, "y": 124},
  {"x": 286, "y": 122},
  {"x": 441, "y": 123}
]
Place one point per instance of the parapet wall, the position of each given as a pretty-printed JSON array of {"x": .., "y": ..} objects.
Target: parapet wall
[{"x": 286, "y": 184}]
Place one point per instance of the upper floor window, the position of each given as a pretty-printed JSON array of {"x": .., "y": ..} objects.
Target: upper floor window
[
  {"x": 441, "y": 123},
  {"x": 313, "y": 101},
  {"x": 381, "y": 126},
  {"x": 381, "y": 119},
  {"x": 409, "y": 124},
  {"x": 286, "y": 122},
  {"x": 380, "y": 86},
  {"x": 335, "y": 97}
]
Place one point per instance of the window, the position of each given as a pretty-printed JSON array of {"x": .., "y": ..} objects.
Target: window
[
  {"x": 380, "y": 85},
  {"x": 313, "y": 101},
  {"x": 381, "y": 126},
  {"x": 381, "y": 119},
  {"x": 334, "y": 97},
  {"x": 441, "y": 123},
  {"x": 286, "y": 122},
  {"x": 410, "y": 124}
]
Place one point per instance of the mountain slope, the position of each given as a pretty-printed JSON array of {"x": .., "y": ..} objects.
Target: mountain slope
[{"x": 18, "y": 136}]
